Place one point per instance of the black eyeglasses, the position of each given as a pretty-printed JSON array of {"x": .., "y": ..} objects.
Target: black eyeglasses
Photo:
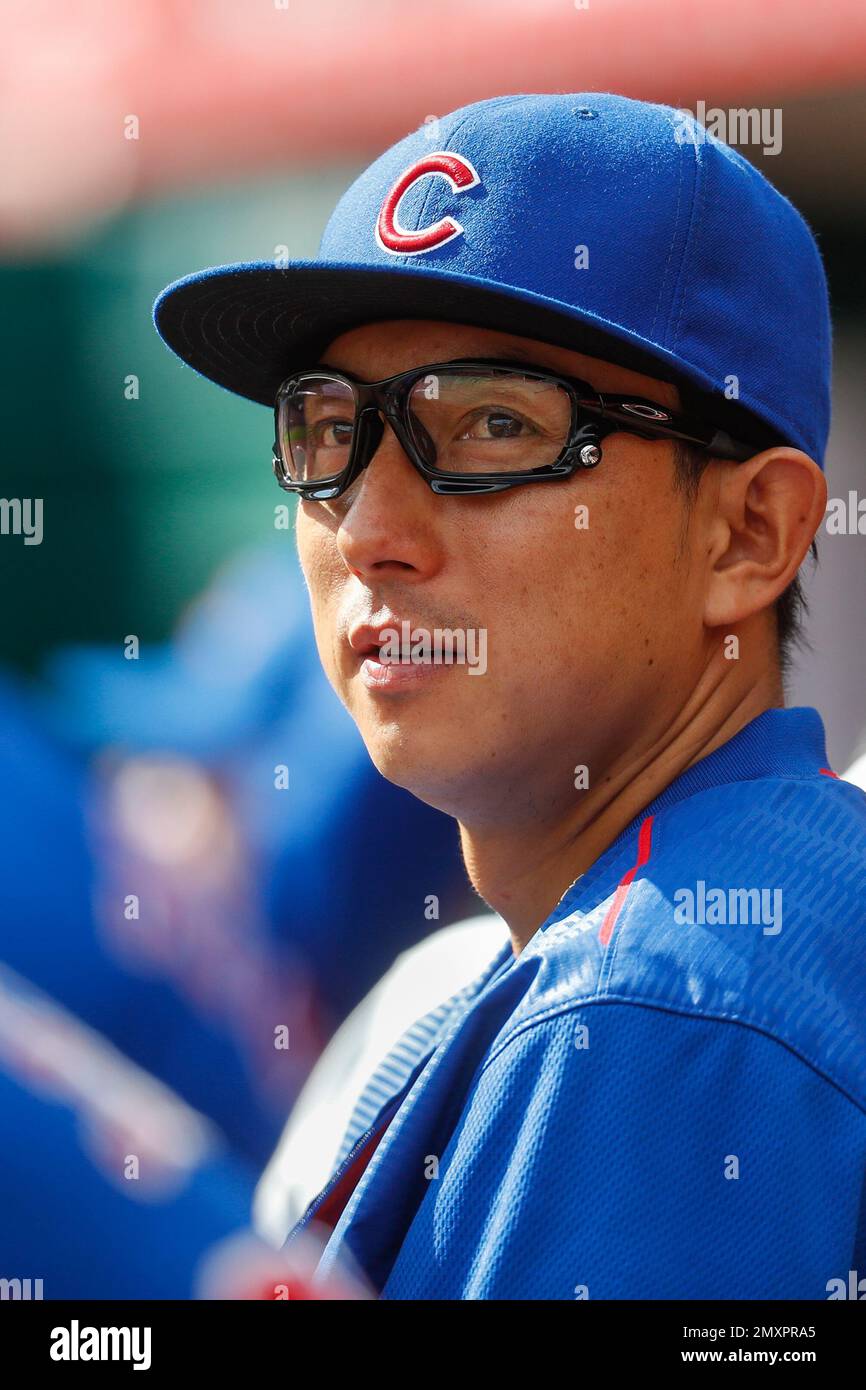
[{"x": 468, "y": 426}]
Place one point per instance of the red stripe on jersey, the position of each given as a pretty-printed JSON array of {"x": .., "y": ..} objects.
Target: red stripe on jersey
[{"x": 644, "y": 847}]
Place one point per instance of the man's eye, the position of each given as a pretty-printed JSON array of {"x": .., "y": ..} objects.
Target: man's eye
[
  {"x": 332, "y": 434},
  {"x": 495, "y": 424}
]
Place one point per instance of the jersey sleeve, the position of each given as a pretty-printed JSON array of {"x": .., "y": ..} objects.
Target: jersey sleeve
[{"x": 623, "y": 1151}]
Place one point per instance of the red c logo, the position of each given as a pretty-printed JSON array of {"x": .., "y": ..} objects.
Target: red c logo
[{"x": 396, "y": 239}]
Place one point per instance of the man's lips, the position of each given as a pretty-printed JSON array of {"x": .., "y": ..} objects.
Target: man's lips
[
  {"x": 396, "y": 672},
  {"x": 367, "y": 640}
]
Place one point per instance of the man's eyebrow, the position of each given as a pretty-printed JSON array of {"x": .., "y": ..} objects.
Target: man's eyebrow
[
  {"x": 525, "y": 358},
  {"x": 522, "y": 357},
  {"x": 516, "y": 354}
]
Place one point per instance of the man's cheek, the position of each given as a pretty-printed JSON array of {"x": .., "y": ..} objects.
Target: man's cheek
[{"x": 324, "y": 630}]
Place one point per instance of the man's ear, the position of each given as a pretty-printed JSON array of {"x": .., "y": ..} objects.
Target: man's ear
[{"x": 765, "y": 513}]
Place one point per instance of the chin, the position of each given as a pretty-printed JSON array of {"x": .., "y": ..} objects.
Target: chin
[{"x": 418, "y": 761}]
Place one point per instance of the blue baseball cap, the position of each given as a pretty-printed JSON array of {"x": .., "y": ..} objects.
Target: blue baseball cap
[{"x": 613, "y": 227}]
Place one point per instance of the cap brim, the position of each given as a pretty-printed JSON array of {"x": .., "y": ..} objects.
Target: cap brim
[{"x": 247, "y": 327}]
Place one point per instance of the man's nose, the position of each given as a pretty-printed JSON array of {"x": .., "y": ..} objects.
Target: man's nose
[{"x": 390, "y": 517}]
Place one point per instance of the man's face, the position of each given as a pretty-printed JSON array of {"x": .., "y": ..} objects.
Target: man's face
[{"x": 592, "y": 632}]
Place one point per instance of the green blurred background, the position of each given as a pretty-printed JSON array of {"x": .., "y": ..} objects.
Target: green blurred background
[{"x": 143, "y": 498}]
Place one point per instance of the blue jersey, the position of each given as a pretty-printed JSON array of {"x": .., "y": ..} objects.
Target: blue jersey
[{"x": 664, "y": 1095}]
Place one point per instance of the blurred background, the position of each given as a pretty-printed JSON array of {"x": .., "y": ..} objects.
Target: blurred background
[{"x": 162, "y": 899}]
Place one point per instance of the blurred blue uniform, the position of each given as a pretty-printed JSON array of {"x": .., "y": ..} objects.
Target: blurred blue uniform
[
  {"x": 110, "y": 1186},
  {"x": 251, "y": 907},
  {"x": 48, "y": 934}
]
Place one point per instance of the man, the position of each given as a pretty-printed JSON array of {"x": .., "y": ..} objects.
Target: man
[{"x": 555, "y": 400}]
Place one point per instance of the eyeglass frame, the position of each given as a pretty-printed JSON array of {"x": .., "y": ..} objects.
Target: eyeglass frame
[{"x": 609, "y": 414}]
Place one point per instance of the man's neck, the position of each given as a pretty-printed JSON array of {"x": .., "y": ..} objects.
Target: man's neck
[{"x": 522, "y": 871}]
